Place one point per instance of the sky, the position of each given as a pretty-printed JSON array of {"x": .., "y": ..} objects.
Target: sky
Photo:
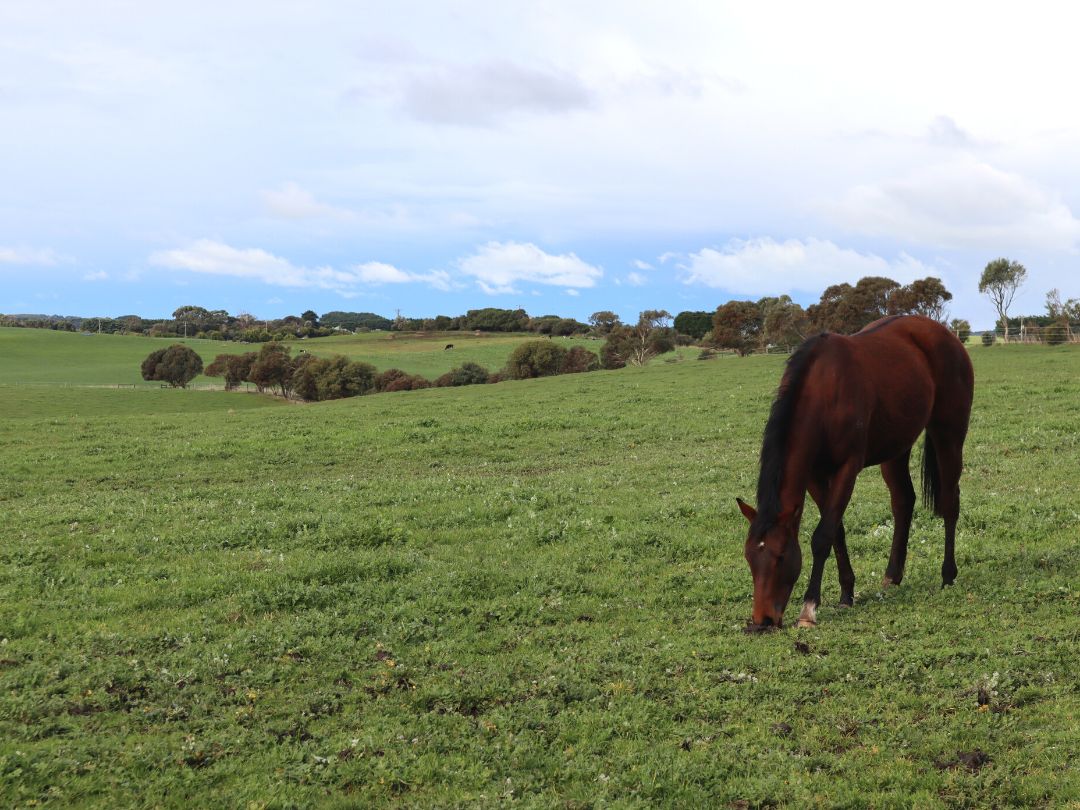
[{"x": 565, "y": 157}]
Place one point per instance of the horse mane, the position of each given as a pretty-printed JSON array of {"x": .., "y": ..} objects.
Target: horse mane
[{"x": 774, "y": 443}]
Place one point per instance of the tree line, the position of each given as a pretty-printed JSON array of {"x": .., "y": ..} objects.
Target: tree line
[{"x": 274, "y": 369}]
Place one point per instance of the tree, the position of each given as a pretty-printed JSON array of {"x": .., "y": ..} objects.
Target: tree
[
  {"x": 308, "y": 316},
  {"x": 785, "y": 324},
  {"x": 694, "y": 324},
  {"x": 961, "y": 328},
  {"x": 636, "y": 345},
  {"x": 191, "y": 316},
  {"x": 273, "y": 368},
  {"x": 999, "y": 282},
  {"x": 177, "y": 365},
  {"x": 535, "y": 358},
  {"x": 737, "y": 325},
  {"x": 235, "y": 368},
  {"x": 604, "y": 321},
  {"x": 492, "y": 319},
  {"x": 925, "y": 296},
  {"x": 847, "y": 309},
  {"x": 1061, "y": 314}
]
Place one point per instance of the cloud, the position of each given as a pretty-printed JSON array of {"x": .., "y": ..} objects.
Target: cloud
[
  {"x": 293, "y": 202},
  {"x": 498, "y": 266},
  {"x": 381, "y": 273},
  {"x": 216, "y": 258},
  {"x": 483, "y": 94},
  {"x": 572, "y": 292},
  {"x": 640, "y": 265},
  {"x": 636, "y": 280},
  {"x": 99, "y": 275},
  {"x": 27, "y": 256},
  {"x": 962, "y": 204},
  {"x": 764, "y": 266},
  {"x": 944, "y": 131}
]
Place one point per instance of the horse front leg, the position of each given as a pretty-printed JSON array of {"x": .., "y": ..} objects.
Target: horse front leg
[
  {"x": 829, "y": 534},
  {"x": 902, "y": 496}
]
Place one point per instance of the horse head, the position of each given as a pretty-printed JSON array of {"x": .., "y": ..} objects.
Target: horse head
[{"x": 775, "y": 562}]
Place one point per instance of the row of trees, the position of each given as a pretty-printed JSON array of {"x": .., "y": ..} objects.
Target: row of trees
[
  {"x": 274, "y": 369},
  {"x": 745, "y": 326}
]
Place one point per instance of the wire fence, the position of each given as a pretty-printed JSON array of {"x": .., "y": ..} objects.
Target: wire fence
[{"x": 1050, "y": 334}]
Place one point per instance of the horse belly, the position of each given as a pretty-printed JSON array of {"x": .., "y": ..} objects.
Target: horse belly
[{"x": 895, "y": 425}]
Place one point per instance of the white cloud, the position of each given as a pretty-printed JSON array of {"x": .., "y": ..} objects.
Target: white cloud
[
  {"x": 962, "y": 204},
  {"x": 99, "y": 275},
  {"x": 636, "y": 280},
  {"x": 382, "y": 273},
  {"x": 216, "y": 258},
  {"x": 293, "y": 202},
  {"x": 483, "y": 94},
  {"x": 498, "y": 266},
  {"x": 29, "y": 256},
  {"x": 766, "y": 267},
  {"x": 572, "y": 292},
  {"x": 640, "y": 265}
]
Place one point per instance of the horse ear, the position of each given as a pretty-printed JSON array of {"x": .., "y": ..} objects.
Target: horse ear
[
  {"x": 791, "y": 517},
  {"x": 748, "y": 511}
]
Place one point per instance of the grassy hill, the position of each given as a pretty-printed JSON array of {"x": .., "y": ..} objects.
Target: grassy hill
[
  {"x": 42, "y": 356},
  {"x": 528, "y": 592}
]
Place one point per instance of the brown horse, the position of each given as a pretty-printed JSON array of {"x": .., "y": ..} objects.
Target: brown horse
[{"x": 846, "y": 403}]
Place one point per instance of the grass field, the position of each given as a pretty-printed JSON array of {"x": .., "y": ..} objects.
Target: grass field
[
  {"x": 42, "y": 356},
  {"x": 524, "y": 593}
]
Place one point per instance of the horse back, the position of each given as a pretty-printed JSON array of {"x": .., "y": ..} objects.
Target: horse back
[{"x": 886, "y": 383}]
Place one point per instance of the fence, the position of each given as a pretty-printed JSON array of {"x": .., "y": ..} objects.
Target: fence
[{"x": 1050, "y": 334}]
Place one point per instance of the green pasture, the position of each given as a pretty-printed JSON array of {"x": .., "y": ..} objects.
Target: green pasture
[
  {"x": 527, "y": 593},
  {"x": 42, "y": 356}
]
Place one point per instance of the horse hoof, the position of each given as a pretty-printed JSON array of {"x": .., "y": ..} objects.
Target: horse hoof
[
  {"x": 887, "y": 582},
  {"x": 806, "y": 623},
  {"x": 846, "y": 604}
]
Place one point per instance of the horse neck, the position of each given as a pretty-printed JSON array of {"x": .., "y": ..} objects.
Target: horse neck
[{"x": 798, "y": 468}]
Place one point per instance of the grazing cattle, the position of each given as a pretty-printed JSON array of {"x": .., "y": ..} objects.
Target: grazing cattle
[{"x": 846, "y": 403}]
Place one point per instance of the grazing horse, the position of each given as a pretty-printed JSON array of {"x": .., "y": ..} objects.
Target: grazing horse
[
  {"x": 448, "y": 346},
  {"x": 846, "y": 403}
]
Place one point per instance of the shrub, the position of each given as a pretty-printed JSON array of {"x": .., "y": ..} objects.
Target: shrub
[
  {"x": 614, "y": 352},
  {"x": 988, "y": 339},
  {"x": 579, "y": 359},
  {"x": 707, "y": 354},
  {"x": 465, "y": 374},
  {"x": 535, "y": 358},
  {"x": 1054, "y": 334},
  {"x": 177, "y": 365},
  {"x": 394, "y": 379},
  {"x": 333, "y": 378}
]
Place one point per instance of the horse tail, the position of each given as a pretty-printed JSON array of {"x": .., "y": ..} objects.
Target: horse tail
[{"x": 931, "y": 476}]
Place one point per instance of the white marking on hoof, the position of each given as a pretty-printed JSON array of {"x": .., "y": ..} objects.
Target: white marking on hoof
[
  {"x": 886, "y": 582},
  {"x": 808, "y": 617}
]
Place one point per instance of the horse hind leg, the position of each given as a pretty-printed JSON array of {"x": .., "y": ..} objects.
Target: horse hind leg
[
  {"x": 902, "y": 497},
  {"x": 948, "y": 455}
]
